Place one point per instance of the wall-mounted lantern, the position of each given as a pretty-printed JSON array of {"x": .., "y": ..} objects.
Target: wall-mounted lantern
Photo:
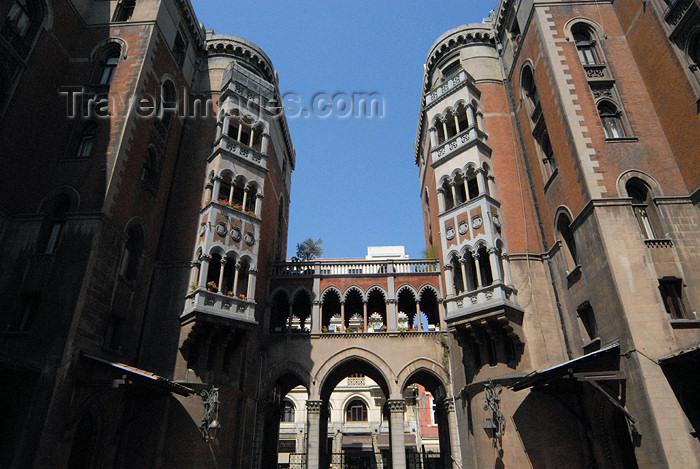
[
  {"x": 495, "y": 424},
  {"x": 209, "y": 424}
]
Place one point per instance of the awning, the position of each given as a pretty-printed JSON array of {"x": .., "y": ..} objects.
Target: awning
[
  {"x": 145, "y": 376},
  {"x": 599, "y": 365}
]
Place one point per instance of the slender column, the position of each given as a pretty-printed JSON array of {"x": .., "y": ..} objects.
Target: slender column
[
  {"x": 230, "y": 192},
  {"x": 265, "y": 143},
  {"x": 258, "y": 204},
  {"x": 342, "y": 316},
  {"x": 449, "y": 409},
  {"x": 203, "y": 270},
  {"x": 441, "y": 199},
  {"x": 313, "y": 418},
  {"x": 449, "y": 280},
  {"x": 252, "y": 136},
  {"x": 507, "y": 274},
  {"x": 250, "y": 294},
  {"x": 316, "y": 317},
  {"x": 240, "y": 129},
  {"x": 470, "y": 116},
  {"x": 289, "y": 319},
  {"x": 481, "y": 181},
  {"x": 456, "y": 123},
  {"x": 454, "y": 194},
  {"x": 364, "y": 314},
  {"x": 194, "y": 273},
  {"x": 245, "y": 199},
  {"x": 477, "y": 269},
  {"x": 235, "y": 278},
  {"x": 391, "y": 315},
  {"x": 397, "y": 407},
  {"x": 221, "y": 275},
  {"x": 208, "y": 193},
  {"x": 226, "y": 125},
  {"x": 215, "y": 190},
  {"x": 417, "y": 320},
  {"x": 494, "y": 258},
  {"x": 466, "y": 187},
  {"x": 480, "y": 121},
  {"x": 433, "y": 137},
  {"x": 441, "y": 309},
  {"x": 462, "y": 262},
  {"x": 491, "y": 184}
]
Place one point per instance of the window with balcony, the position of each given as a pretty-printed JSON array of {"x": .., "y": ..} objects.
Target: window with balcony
[
  {"x": 671, "y": 289},
  {"x": 356, "y": 411}
]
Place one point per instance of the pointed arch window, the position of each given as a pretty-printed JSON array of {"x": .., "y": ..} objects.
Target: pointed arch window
[
  {"x": 125, "y": 10},
  {"x": 644, "y": 208},
  {"x": 585, "y": 44},
  {"x": 150, "y": 172},
  {"x": 611, "y": 118},
  {"x": 168, "y": 106},
  {"x": 87, "y": 140},
  {"x": 132, "y": 253},
  {"x": 566, "y": 236},
  {"x": 109, "y": 66}
]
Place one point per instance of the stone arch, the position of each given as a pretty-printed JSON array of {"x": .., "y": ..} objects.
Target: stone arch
[
  {"x": 435, "y": 374},
  {"x": 406, "y": 286},
  {"x": 299, "y": 290},
  {"x": 424, "y": 288},
  {"x": 562, "y": 210},
  {"x": 281, "y": 370},
  {"x": 66, "y": 191},
  {"x": 373, "y": 288},
  {"x": 591, "y": 25},
  {"x": 624, "y": 178},
  {"x": 347, "y": 291},
  {"x": 109, "y": 43},
  {"x": 330, "y": 288},
  {"x": 375, "y": 367}
]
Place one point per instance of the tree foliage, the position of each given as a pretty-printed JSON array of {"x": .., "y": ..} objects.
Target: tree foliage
[{"x": 309, "y": 249}]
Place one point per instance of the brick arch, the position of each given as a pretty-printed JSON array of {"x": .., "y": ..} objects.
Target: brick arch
[{"x": 350, "y": 354}]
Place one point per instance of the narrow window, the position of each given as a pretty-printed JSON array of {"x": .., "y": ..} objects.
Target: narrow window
[
  {"x": 124, "y": 11},
  {"x": 87, "y": 139},
  {"x": 585, "y": 45},
  {"x": 287, "y": 412},
  {"x": 109, "y": 67},
  {"x": 566, "y": 236},
  {"x": 451, "y": 69},
  {"x": 168, "y": 106},
  {"x": 179, "y": 50},
  {"x": 644, "y": 208},
  {"x": 587, "y": 318},
  {"x": 132, "y": 254},
  {"x": 549, "y": 164},
  {"x": 29, "y": 308},
  {"x": 610, "y": 117},
  {"x": 150, "y": 172},
  {"x": 53, "y": 226},
  {"x": 672, "y": 293}
]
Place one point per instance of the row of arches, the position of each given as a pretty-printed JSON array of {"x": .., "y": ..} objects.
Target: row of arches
[
  {"x": 476, "y": 268},
  {"x": 234, "y": 191},
  {"x": 226, "y": 273},
  {"x": 464, "y": 185},
  {"x": 355, "y": 310},
  {"x": 454, "y": 120},
  {"x": 245, "y": 129}
]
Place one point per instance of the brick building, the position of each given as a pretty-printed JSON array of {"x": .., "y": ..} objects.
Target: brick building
[{"x": 148, "y": 317}]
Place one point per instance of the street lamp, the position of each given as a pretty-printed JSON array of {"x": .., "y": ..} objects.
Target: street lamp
[
  {"x": 495, "y": 424},
  {"x": 209, "y": 424}
]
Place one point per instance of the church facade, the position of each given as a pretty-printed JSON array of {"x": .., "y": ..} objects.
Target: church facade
[{"x": 149, "y": 318}]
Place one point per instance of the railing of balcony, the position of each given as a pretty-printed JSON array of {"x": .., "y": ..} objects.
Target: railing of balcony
[
  {"x": 208, "y": 302},
  {"x": 355, "y": 267},
  {"x": 231, "y": 146}
]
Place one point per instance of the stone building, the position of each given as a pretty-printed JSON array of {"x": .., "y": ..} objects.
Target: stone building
[{"x": 148, "y": 317}]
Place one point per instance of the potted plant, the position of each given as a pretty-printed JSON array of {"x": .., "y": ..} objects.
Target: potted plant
[
  {"x": 230, "y": 293},
  {"x": 211, "y": 286},
  {"x": 194, "y": 286},
  {"x": 242, "y": 297}
]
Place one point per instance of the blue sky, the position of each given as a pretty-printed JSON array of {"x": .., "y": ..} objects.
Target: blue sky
[{"x": 355, "y": 182}]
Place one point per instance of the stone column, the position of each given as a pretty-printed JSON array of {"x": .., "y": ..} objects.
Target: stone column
[
  {"x": 444, "y": 128},
  {"x": 316, "y": 317},
  {"x": 456, "y": 123},
  {"x": 208, "y": 192},
  {"x": 342, "y": 316},
  {"x": 507, "y": 274},
  {"x": 433, "y": 137},
  {"x": 470, "y": 116},
  {"x": 265, "y": 143},
  {"x": 449, "y": 409},
  {"x": 491, "y": 184},
  {"x": 215, "y": 190},
  {"x": 364, "y": 315},
  {"x": 417, "y": 320},
  {"x": 462, "y": 262},
  {"x": 313, "y": 418},
  {"x": 289, "y": 318},
  {"x": 258, "y": 203},
  {"x": 477, "y": 269},
  {"x": 481, "y": 181},
  {"x": 194, "y": 274},
  {"x": 203, "y": 271},
  {"x": 245, "y": 199},
  {"x": 252, "y": 137},
  {"x": 454, "y": 194},
  {"x": 495, "y": 260},
  {"x": 230, "y": 192},
  {"x": 391, "y": 322},
  {"x": 237, "y": 268},
  {"x": 441, "y": 199},
  {"x": 250, "y": 294},
  {"x": 240, "y": 129},
  {"x": 480, "y": 121},
  {"x": 221, "y": 275},
  {"x": 449, "y": 280},
  {"x": 397, "y": 407}
]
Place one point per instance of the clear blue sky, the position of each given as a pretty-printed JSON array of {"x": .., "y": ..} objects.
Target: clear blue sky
[{"x": 355, "y": 182}]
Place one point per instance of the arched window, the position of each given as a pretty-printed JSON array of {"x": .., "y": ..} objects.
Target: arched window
[
  {"x": 21, "y": 24},
  {"x": 527, "y": 83},
  {"x": 539, "y": 132},
  {"x": 356, "y": 411},
  {"x": 644, "y": 208},
  {"x": 585, "y": 44},
  {"x": 132, "y": 253},
  {"x": 168, "y": 105},
  {"x": 87, "y": 139},
  {"x": 108, "y": 65},
  {"x": 287, "y": 412},
  {"x": 447, "y": 194},
  {"x": 150, "y": 171},
  {"x": 251, "y": 196},
  {"x": 566, "y": 236},
  {"x": 53, "y": 225},
  {"x": 124, "y": 11},
  {"x": 611, "y": 119}
]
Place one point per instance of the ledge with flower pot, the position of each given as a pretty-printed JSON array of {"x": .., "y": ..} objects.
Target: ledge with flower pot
[
  {"x": 229, "y": 208},
  {"x": 208, "y": 301}
]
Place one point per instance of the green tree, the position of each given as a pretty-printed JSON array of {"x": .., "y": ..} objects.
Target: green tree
[{"x": 309, "y": 249}]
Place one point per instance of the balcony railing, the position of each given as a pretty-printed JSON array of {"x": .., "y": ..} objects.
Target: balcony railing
[
  {"x": 201, "y": 301},
  {"x": 459, "y": 141},
  {"x": 355, "y": 267},
  {"x": 232, "y": 147},
  {"x": 450, "y": 85},
  {"x": 474, "y": 303},
  {"x": 597, "y": 72}
]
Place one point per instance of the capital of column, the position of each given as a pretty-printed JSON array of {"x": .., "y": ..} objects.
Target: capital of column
[
  {"x": 224, "y": 260},
  {"x": 314, "y": 407},
  {"x": 316, "y": 302},
  {"x": 390, "y": 301},
  {"x": 196, "y": 263},
  {"x": 448, "y": 404},
  {"x": 492, "y": 250},
  {"x": 447, "y": 267},
  {"x": 440, "y": 190},
  {"x": 396, "y": 405},
  {"x": 205, "y": 258},
  {"x": 693, "y": 67},
  {"x": 253, "y": 272},
  {"x": 259, "y": 195},
  {"x": 238, "y": 265}
]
